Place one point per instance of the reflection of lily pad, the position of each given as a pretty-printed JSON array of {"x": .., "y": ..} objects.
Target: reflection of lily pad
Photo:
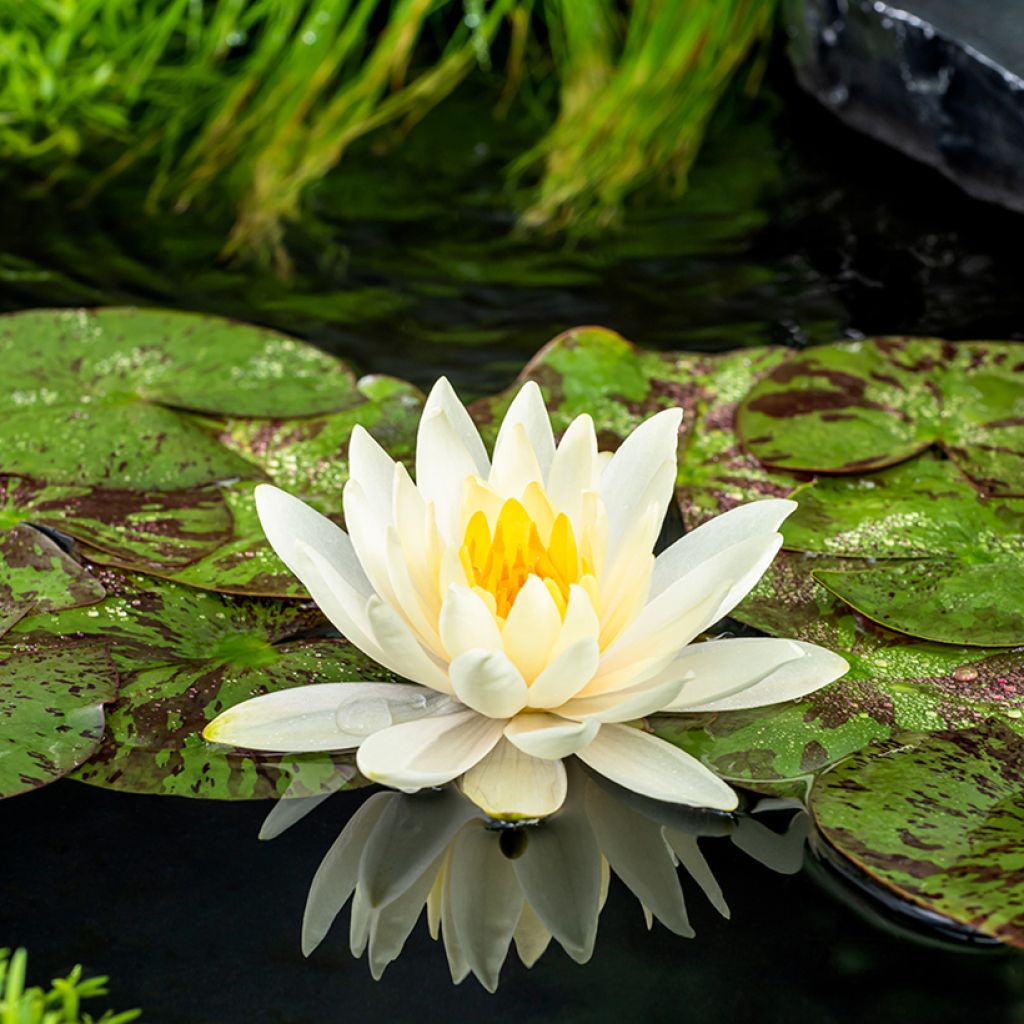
[
  {"x": 185, "y": 656},
  {"x": 307, "y": 457},
  {"x": 940, "y": 820},
  {"x": 51, "y": 710},
  {"x": 861, "y": 405},
  {"x": 594, "y": 370},
  {"x": 895, "y": 683},
  {"x": 169, "y": 528},
  {"x": 94, "y": 397},
  {"x": 954, "y": 562},
  {"x": 37, "y": 576}
]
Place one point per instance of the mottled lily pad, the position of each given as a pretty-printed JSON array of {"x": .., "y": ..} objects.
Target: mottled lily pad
[
  {"x": 594, "y": 370},
  {"x": 895, "y": 683},
  {"x": 96, "y": 397},
  {"x": 939, "y": 819},
  {"x": 51, "y": 710},
  {"x": 856, "y": 406},
  {"x": 307, "y": 457},
  {"x": 167, "y": 528},
  {"x": 184, "y": 656},
  {"x": 36, "y": 575},
  {"x": 953, "y": 562}
]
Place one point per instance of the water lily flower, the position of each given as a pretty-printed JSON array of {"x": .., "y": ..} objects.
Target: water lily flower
[{"x": 521, "y": 597}]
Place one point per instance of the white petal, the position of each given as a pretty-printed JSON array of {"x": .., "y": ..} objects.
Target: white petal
[
  {"x": 420, "y": 610},
  {"x": 442, "y": 465},
  {"x": 733, "y": 527},
  {"x": 374, "y": 470},
  {"x": 639, "y": 463},
  {"x": 654, "y": 768},
  {"x": 510, "y": 785},
  {"x": 485, "y": 902},
  {"x": 336, "y": 877},
  {"x": 368, "y": 532},
  {"x": 627, "y": 704},
  {"x": 442, "y": 398},
  {"x": 401, "y": 650},
  {"x": 532, "y": 628},
  {"x": 637, "y": 852},
  {"x": 488, "y": 682},
  {"x": 531, "y": 937},
  {"x": 467, "y": 623},
  {"x": 515, "y": 464},
  {"x": 566, "y": 675},
  {"x": 429, "y": 752},
  {"x": 750, "y": 672},
  {"x": 310, "y": 718},
  {"x": 549, "y": 736},
  {"x": 580, "y": 623},
  {"x": 528, "y": 409},
  {"x": 574, "y": 469}
]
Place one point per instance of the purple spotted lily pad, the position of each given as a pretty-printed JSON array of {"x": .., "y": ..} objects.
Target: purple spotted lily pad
[
  {"x": 939, "y": 819},
  {"x": 51, "y": 710},
  {"x": 856, "y": 406},
  {"x": 184, "y": 656},
  {"x": 101, "y": 398}
]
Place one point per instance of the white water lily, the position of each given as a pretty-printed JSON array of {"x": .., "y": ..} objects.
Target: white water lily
[{"x": 521, "y": 597}]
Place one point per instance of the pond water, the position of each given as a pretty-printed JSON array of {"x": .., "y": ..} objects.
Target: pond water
[{"x": 793, "y": 231}]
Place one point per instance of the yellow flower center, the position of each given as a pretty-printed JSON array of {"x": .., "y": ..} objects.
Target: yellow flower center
[{"x": 497, "y": 564}]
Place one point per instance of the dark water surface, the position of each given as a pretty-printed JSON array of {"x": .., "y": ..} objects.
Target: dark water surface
[{"x": 795, "y": 232}]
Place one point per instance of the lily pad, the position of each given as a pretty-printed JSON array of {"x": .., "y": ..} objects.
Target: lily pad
[
  {"x": 855, "y": 406},
  {"x": 96, "y": 397},
  {"x": 37, "y": 575},
  {"x": 594, "y": 370},
  {"x": 953, "y": 562},
  {"x": 895, "y": 683},
  {"x": 307, "y": 457},
  {"x": 51, "y": 710},
  {"x": 940, "y": 820},
  {"x": 167, "y": 528},
  {"x": 184, "y": 656}
]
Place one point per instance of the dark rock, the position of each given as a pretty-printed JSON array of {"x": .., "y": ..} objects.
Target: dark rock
[{"x": 941, "y": 80}]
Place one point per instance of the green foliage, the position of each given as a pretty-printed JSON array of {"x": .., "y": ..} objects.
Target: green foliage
[
  {"x": 60, "y": 1004},
  {"x": 251, "y": 101}
]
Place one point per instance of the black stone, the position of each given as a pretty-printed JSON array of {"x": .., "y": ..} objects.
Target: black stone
[{"x": 941, "y": 80}]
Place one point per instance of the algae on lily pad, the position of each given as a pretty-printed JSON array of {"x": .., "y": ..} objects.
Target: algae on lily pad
[
  {"x": 939, "y": 819},
  {"x": 103, "y": 397},
  {"x": 51, "y": 709},
  {"x": 895, "y": 683},
  {"x": 946, "y": 563},
  {"x": 184, "y": 656},
  {"x": 856, "y": 406},
  {"x": 37, "y": 575}
]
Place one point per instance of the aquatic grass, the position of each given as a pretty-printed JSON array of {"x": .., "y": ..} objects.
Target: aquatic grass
[{"x": 249, "y": 102}]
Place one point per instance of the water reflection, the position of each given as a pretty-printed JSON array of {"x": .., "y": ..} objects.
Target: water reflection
[{"x": 487, "y": 887}]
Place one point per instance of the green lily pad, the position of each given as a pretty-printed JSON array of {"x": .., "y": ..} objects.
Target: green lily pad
[
  {"x": 307, "y": 457},
  {"x": 953, "y": 568},
  {"x": 594, "y": 370},
  {"x": 167, "y": 528},
  {"x": 939, "y": 819},
  {"x": 186, "y": 655},
  {"x": 895, "y": 683},
  {"x": 36, "y": 575},
  {"x": 96, "y": 397},
  {"x": 855, "y": 406},
  {"x": 51, "y": 710}
]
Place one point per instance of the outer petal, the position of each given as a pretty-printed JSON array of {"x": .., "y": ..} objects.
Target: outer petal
[
  {"x": 749, "y": 672},
  {"x": 532, "y": 628},
  {"x": 528, "y": 409},
  {"x": 566, "y": 675},
  {"x": 574, "y": 469},
  {"x": 654, "y": 768},
  {"x": 489, "y": 683},
  {"x": 321, "y": 716},
  {"x": 467, "y": 623},
  {"x": 374, "y": 470},
  {"x": 429, "y": 752},
  {"x": 627, "y": 704},
  {"x": 510, "y": 785},
  {"x": 442, "y": 398},
  {"x": 442, "y": 465},
  {"x": 400, "y": 649},
  {"x": 550, "y": 737},
  {"x": 733, "y": 527}
]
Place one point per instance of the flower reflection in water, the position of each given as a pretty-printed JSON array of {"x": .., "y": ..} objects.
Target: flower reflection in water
[{"x": 487, "y": 886}]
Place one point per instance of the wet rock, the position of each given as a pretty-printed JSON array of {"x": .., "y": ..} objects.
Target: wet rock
[{"x": 941, "y": 80}]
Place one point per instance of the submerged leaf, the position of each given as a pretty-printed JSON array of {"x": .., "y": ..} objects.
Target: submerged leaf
[{"x": 939, "y": 819}]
